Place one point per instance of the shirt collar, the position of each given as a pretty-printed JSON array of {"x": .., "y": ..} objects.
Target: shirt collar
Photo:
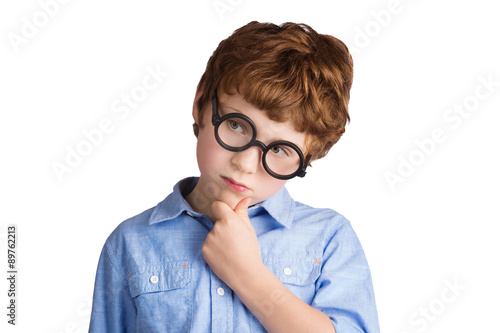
[
  {"x": 280, "y": 206},
  {"x": 174, "y": 204}
]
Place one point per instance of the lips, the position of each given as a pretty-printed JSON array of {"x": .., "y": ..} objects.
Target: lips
[{"x": 234, "y": 185}]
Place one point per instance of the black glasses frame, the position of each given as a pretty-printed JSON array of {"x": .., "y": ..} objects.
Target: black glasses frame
[{"x": 217, "y": 121}]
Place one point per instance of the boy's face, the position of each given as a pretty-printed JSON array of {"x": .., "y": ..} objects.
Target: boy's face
[{"x": 231, "y": 176}]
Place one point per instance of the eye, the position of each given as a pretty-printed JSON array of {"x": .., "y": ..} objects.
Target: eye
[
  {"x": 235, "y": 126},
  {"x": 278, "y": 150}
]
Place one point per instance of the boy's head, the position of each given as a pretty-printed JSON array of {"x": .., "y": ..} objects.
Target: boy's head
[{"x": 289, "y": 71}]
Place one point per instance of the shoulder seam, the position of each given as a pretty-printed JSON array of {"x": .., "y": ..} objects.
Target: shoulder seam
[{"x": 111, "y": 255}]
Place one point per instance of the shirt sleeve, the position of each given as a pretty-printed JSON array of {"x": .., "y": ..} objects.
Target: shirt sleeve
[
  {"x": 113, "y": 310},
  {"x": 344, "y": 290}
]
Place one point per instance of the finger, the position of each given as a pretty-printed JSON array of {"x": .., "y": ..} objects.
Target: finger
[
  {"x": 242, "y": 207},
  {"x": 242, "y": 211},
  {"x": 220, "y": 209}
]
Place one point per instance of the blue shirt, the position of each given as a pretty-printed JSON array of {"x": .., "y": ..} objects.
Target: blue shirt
[{"x": 152, "y": 276}]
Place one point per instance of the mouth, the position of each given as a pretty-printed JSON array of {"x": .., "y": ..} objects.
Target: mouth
[{"x": 234, "y": 185}]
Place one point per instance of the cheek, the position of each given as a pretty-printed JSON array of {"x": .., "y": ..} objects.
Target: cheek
[
  {"x": 203, "y": 152},
  {"x": 209, "y": 154},
  {"x": 270, "y": 186},
  {"x": 275, "y": 185}
]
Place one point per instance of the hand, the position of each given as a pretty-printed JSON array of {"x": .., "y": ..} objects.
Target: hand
[{"x": 231, "y": 248}]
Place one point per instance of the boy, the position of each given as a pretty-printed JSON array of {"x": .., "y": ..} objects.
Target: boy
[{"x": 231, "y": 251}]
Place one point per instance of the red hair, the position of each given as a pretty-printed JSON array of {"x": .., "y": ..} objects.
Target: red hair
[{"x": 291, "y": 73}]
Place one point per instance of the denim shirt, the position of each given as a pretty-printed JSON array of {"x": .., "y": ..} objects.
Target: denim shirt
[{"x": 152, "y": 277}]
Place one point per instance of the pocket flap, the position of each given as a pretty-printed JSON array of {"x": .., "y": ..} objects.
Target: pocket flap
[
  {"x": 299, "y": 271},
  {"x": 161, "y": 277}
]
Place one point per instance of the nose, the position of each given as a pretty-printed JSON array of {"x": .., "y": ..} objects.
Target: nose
[{"x": 248, "y": 161}]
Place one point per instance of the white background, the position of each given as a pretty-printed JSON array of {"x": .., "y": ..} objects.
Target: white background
[{"x": 435, "y": 227}]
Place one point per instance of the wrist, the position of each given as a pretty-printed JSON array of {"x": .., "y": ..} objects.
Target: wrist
[{"x": 249, "y": 279}]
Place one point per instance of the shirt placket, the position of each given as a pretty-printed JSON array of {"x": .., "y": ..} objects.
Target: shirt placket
[{"x": 222, "y": 305}]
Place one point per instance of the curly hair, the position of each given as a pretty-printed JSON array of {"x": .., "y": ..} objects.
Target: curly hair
[{"x": 291, "y": 73}]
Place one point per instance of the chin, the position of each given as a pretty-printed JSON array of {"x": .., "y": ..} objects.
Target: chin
[{"x": 231, "y": 199}]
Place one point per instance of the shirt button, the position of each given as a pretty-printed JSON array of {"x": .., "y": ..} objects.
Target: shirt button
[
  {"x": 287, "y": 271},
  {"x": 153, "y": 279},
  {"x": 220, "y": 291},
  {"x": 189, "y": 213}
]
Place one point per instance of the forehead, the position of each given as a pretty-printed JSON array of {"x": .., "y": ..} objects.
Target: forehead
[{"x": 267, "y": 130}]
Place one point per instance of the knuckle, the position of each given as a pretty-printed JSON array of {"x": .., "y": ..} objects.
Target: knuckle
[
  {"x": 216, "y": 205},
  {"x": 204, "y": 248}
]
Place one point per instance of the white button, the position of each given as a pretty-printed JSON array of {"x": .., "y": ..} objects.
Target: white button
[
  {"x": 220, "y": 291},
  {"x": 153, "y": 279},
  {"x": 189, "y": 213},
  {"x": 287, "y": 271}
]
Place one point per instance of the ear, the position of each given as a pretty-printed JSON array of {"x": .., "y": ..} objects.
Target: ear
[{"x": 197, "y": 97}]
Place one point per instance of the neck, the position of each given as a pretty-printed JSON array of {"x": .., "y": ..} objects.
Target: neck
[{"x": 199, "y": 201}]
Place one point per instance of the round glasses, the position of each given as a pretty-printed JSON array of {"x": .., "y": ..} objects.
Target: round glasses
[{"x": 236, "y": 132}]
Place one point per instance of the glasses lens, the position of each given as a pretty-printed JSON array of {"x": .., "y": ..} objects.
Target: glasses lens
[
  {"x": 235, "y": 132},
  {"x": 282, "y": 159}
]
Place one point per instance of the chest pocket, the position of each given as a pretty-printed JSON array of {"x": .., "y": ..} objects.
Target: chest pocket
[
  {"x": 297, "y": 273},
  {"x": 162, "y": 295}
]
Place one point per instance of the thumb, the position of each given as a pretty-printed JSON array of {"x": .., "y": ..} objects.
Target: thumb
[{"x": 241, "y": 208}]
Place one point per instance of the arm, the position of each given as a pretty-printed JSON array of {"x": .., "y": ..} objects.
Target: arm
[
  {"x": 344, "y": 289},
  {"x": 276, "y": 307},
  {"x": 232, "y": 251},
  {"x": 112, "y": 307}
]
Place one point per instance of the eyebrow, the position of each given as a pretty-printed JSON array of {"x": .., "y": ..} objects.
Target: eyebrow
[{"x": 230, "y": 107}]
